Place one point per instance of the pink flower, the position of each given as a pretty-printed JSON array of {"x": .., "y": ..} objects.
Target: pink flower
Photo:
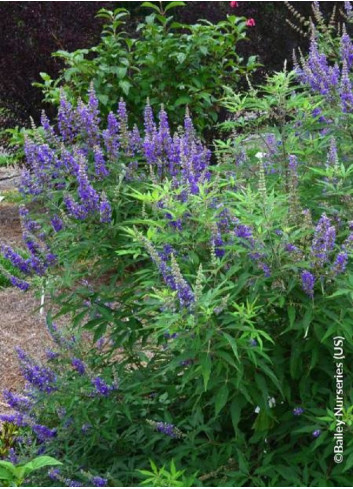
[
  {"x": 250, "y": 22},
  {"x": 234, "y": 4}
]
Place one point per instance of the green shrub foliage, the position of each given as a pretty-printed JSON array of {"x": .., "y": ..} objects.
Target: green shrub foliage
[
  {"x": 211, "y": 305},
  {"x": 175, "y": 64}
]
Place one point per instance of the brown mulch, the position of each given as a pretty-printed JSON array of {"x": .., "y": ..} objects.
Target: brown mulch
[
  {"x": 10, "y": 228},
  {"x": 20, "y": 322},
  {"x": 20, "y": 325}
]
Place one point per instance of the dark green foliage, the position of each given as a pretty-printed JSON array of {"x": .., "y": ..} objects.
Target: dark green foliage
[{"x": 168, "y": 63}]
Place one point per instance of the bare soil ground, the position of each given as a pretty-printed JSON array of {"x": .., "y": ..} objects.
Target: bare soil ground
[{"x": 20, "y": 323}]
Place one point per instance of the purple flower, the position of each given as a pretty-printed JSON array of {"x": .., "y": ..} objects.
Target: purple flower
[
  {"x": 253, "y": 342},
  {"x": 12, "y": 456},
  {"x": 265, "y": 268},
  {"x": 72, "y": 483},
  {"x": 135, "y": 142},
  {"x": 346, "y": 49},
  {"x": 21, "y": 284},
  {"x": 150, "y": 125},
  {"x": 323, "y": 241},
  {"x": 293, "y": 164},
  {"x": 43, "y": 378},
  {"x": 244, "y": 232},
  {"x": 57, "y": 223},
  {"x": 291, "y": 248},
  {"x": 66, "y": 119},
  {"x": 43, "y": 432},
  {"x": 89, "y": 197},
  {"x": 78, "y": 365},
  {"x": 88, "y": 119},
  {"x": 99, "y": 163},
  {"x": 99, "y": 481},
  {"x": 340, "y": 263},
  {"x": 346, "y": 90},
  {"x": 51, "y": 355},
  {"x": 348, "y": 8},
  {"x": 167, "y": 429},
  {"x": 17, "y": 419},
  {"x": 316, "y": 433},
  {"x": 74, "y": 209},
  {"x": 298, "y": 411},
  {"x": 16, "y": 259},
  {"x": 110, "y": 137},
  {"x": 308, "y": 282},
  {"x": 218, "y": 244},
  {"x": 105, "y": 210},
  {"x": 15, "y": 401},
  {"x": 317, "y": 73},
  {"x": 54, "y": 474},
  {"x": 101, "y": 388}
]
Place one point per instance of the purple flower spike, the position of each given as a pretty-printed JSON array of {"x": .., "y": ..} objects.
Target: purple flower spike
[
  {"x": 323, "y": 241},
  {"x": 57, "y": 223},
  {"x": 340, "y": 263},
  {"x": 99, "y": 481},
  {"x": 105, "y": 210},
  {"x": 308, "y": 282},
  {"x": 78, "y": 365},
  {"x": 346, "y": 90},
  {"x": 167, "y": 429},
  {"x": 21, "y": 284},
  {"x": 101, "y": 388}
]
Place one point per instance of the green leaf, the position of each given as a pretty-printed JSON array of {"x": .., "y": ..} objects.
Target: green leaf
[
  {"x": 221, "y": 399},
  {"x": 235, "y": 412},
  {"x": 5, "y": 474},
  {"x": 174, "y": 5},
  {"x": 183, "y": 100},
  {"x": 120, "y": 71},
  {"x": 151, "y": 5},
  {"x": 349, "y": 463},
  {"x": 40, "y": 462},
  {"x": 233, "y": 344},
  {"x": 181, "y": 57},
  {"x": 125, "y": 86},
  {"x": 8, "y": 466},
  {"x": 104, "y": 99},
  {"x": 206, "y": 366},
  {"x": 291, "y": 315}
]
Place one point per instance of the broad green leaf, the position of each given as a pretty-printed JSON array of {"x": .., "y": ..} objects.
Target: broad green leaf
[
  {"x": 173, "y": 5},
  {"x": 39, "y": 462}
]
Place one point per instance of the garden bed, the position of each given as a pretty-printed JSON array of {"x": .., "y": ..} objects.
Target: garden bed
[{"x": 20, "y": 324}]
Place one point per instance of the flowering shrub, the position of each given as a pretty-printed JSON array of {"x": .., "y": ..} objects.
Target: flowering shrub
[
  {"x": 215, "y": 292},
  {"x": 171, "y": 63}
]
